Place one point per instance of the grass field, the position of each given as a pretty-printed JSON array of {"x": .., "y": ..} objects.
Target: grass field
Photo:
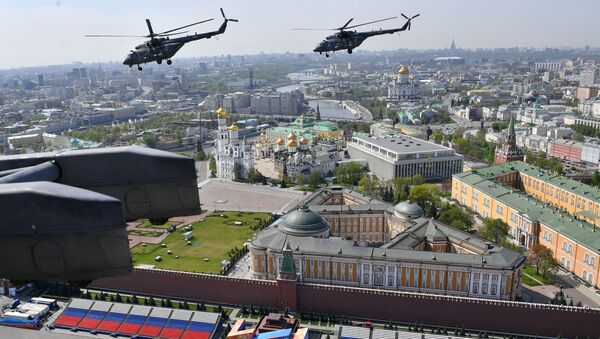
[
  {"x": 212, "y": 239},
  {"x": 531, "y": 271},
  {"x": 146, "y": 224}
]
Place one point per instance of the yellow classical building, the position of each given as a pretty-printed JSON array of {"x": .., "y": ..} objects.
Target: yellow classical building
[{"x": 539, "y": 207}]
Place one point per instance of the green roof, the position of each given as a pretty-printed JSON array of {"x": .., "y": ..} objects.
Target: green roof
[{"x": 580, "y": 231}]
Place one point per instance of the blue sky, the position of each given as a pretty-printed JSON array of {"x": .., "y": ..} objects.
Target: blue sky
[{"x": 39, "y": 32}]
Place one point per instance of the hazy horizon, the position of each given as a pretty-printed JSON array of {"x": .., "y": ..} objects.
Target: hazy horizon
[{"x": 42, "y": 32}]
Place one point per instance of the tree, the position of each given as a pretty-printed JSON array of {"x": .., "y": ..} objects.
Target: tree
[
  {"x": 438, "y": 137},
  {"x": 547, "y": 264},
  {"x": 538, "y": 254},
  {"x": 596, "y": 179},
  {"x": 370, "y": 185},
  {"x": 212, "y": 165},
  {"x": 456, "y": 217},
  {"x": 578, "y": 137},
  {"x": 255, "y": 176},
  {"x": 417, "y": 179},
  {"x": 427, "y": 196},
  {"x": 349, "y": 174},
  {"x": 315, "y": 179},
  {"x": 495, "y": 230},
  {"x": 237, "y": 171},
  {"x": 149, "y": 140}
]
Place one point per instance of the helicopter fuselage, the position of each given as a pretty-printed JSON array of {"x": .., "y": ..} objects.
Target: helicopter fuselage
[
  {"x": 348, "y": 40},
  {"x": 158, "y": 49}
]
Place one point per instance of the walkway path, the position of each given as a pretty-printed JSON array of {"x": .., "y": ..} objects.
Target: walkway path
[{"x": 533, "y": 278}]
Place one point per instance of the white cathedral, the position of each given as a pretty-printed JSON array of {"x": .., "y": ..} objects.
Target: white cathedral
[
  {"x": 229, "y": 150},
  {"x": 403, "y": 86}
]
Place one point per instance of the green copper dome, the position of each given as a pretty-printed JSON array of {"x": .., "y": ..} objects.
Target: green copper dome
[{"x": 303, "y": 222}]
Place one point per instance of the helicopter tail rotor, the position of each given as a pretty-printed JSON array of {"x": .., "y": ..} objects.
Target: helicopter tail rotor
[
  {"x": 225, "y": 18},
  {"x": 409, "y": 19}
]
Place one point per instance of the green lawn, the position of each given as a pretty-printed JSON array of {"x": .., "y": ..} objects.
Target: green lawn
[
  {"x": 531, "y": 271},
  {"x": 146, "y": 224},
  {"x": 212, "y": 239}
]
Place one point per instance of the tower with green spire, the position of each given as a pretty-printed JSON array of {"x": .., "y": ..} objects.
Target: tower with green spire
[
  {"x": 288, "y": 265},
  {"x": 318, "y": 117},
  {"x": 509, "y": 150}
]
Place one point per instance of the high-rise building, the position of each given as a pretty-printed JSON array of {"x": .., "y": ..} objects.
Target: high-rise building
[
  {"x": 40, "y": 80},
  {"x": 588, "y": 77}
]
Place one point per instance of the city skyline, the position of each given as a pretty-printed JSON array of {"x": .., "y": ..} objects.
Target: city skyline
[{"x": 51, "y": 32}]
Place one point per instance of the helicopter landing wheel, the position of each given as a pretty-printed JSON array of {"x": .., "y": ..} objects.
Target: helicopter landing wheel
[
  {"x": 169, "y": 62},
  {"x": 159, "y": 62},
  {"x": 349, "y": 50},
  {"x": 327, "y": 55},
  {"x": 139, "y": 68}
]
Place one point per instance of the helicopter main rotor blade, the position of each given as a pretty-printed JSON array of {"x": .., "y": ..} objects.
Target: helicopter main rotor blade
[
  {"x": 149, "y": 28},
  {"x": 314, "y": 29},
  {"x": 186, "y": 26},
  {"x": 171, "y": 34},
  {"x": 372, "y": 22},
  {"x": 113, "y": 36},
  {"x": 345, "y": 26}
]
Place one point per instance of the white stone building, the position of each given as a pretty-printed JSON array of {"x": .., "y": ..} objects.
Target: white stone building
[
  {"x": 403, "y": 86},
  {"x": 229, "y": 150}
]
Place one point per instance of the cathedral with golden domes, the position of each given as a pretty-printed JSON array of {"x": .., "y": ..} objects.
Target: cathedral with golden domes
[
  {"x": 403, "y": 86},
  {"x": 229, "y": 150},
  {"x": 296, "y": 157}
]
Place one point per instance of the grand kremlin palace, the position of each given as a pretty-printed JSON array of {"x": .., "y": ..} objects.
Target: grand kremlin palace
[
  {"x": 540, "y": 207},
  {"x": 342, "y": 237}
]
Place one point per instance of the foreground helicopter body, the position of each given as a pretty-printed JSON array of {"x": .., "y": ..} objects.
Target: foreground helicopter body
[
  {"x": 349, "y": 40},
  {"x": 161, "y": 47}
]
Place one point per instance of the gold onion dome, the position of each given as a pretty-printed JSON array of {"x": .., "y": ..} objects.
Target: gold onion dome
[
  {"x": 303, "y": 141},
  {"x": 403, "y": 70},
  {"x": 411, "y": 77},
  {"x": 280, "y": 141},
  {"x": 291, "y": 136},
  {"x": 222, "y": 113},
  {"x": 233, "y": 128},
  {"x": 292, "y": 143}
]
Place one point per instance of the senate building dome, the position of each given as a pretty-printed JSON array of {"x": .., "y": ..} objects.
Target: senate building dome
[
  {"x": 408, "y": 209},
  {"x": 304, "y": 222}
]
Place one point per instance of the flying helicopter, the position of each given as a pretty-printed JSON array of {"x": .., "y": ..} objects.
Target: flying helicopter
[
  {"x": 349, "y": 40},
  {"x": 160, "y": 46}
]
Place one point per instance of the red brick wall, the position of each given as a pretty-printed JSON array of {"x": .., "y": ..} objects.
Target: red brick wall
[{"x": 524, "y": 318}]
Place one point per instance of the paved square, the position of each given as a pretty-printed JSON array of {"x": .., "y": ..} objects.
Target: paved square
[{"x": 225, "y": 195}]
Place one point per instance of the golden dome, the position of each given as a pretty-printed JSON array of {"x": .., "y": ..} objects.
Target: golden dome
[
  {"x": 233, "y": 128},
  {"x": 303, "y": 141},
  {"x": 403, "y": 70},
  {"x": 280, "y": 141},
  {"x": 222, "y": 113},
  {"x": 291, "y": 136},
  {"x": 292, "y": 143},
  {"x": 411, "y": 77}
]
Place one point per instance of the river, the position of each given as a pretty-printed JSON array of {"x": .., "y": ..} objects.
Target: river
[{"x": 331, "y": 109}]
